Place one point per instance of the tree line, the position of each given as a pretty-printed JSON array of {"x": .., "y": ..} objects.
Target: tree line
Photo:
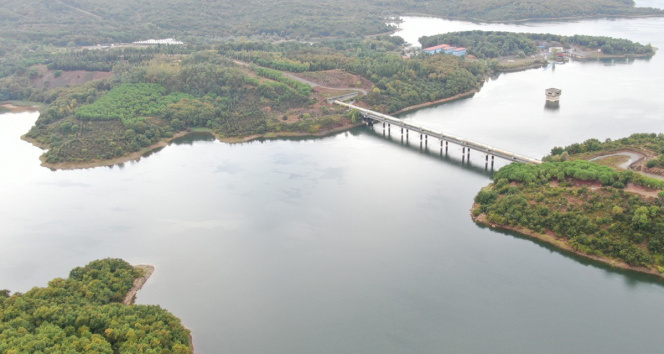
[
  {"x": 651, "y": 142},
  {"x": 54, "y": 22}
]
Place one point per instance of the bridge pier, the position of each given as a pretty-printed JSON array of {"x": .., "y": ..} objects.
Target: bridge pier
[
  {"x": 371, "y": 117},
  {"x": 426, "y": 139},
  {"x": 463, "y": 151},
  {"x": 388, "y": 128},
  {"x": 486, "y": 162},
  {"x": 492, "y": 161}
]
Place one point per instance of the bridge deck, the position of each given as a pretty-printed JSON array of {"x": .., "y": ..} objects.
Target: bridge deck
[{"x": 442, "y": 136}]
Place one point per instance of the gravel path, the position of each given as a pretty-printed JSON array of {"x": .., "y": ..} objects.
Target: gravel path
[{"x": 313, "y": 84}]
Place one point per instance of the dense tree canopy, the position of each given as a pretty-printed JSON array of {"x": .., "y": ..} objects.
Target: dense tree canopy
[
  {"x": 129, "y": 102},
  {"x": 603, "y": 221},
  {"x": 83, "y": 313},
  {"x": 88, "y": 22}
]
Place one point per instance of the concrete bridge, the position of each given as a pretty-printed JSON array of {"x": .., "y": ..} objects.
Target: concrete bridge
[{"x": 466, "y": 144}]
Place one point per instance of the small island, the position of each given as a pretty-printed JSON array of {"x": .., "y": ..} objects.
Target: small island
[{"x": 90, "y": 311}]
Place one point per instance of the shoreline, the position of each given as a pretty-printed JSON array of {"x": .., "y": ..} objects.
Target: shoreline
[
  {"x": 433, "y": 103},
  {"x": 561, "y": 244},
  {"x": 280, "y": 135},
  {"x": 533, "y": 19},
  {"x": 147, "y": 270},
  {"x": 13, "y": 107},
  {"x": 520, "y": 68},
  {"x": 612, "y": 56},
  {"x": 136, "y": 156}
]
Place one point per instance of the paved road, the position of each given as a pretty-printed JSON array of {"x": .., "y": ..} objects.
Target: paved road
[{"x": 633, "y": 157}]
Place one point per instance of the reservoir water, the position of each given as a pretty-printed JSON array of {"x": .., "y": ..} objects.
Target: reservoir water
[{"x": 354, "y": 242}]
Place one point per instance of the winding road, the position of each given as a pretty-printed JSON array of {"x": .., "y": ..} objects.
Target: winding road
[{"x": 633, "y": 158}]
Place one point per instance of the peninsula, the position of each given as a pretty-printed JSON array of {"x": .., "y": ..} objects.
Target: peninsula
[{"x": 583, "y": 207}]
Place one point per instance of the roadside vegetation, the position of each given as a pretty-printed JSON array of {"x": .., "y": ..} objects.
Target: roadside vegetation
[
  {"x": 650, "y": 145},
  {"x": 83, "y": 313}
]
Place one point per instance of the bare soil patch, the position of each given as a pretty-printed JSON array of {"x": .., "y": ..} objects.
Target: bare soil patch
[
  {"x": 644, "y": 191},
  {"x": 16, "y": 109},
  {"x": 337, "y": 79},
  {"x": 47, "y": 79},
  {"x": 595, "y": 185}
]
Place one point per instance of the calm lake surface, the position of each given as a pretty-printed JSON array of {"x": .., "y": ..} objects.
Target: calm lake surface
[{"x": 354, "y": 242}]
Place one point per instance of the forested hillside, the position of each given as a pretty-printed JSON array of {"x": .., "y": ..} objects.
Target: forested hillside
[
  {"x": 235, "y": 90},
  {"x": 83, "y": 313},
  {"x": 95, "y": 21},
  {"x": 399, "y": 82}
]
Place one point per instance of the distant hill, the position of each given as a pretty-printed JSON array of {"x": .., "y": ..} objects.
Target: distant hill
[{"x": 94, "y": 21}]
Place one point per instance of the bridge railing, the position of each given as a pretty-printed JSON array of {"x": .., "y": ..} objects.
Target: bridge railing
[{"x": 508, "y": 155}]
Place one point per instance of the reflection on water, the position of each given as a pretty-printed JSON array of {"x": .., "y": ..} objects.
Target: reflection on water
[
  {"x": 151, "y": 152},
  {"x": 632, "y": 277},
  {"x": 193, "y": 137},
  {"x": 432, "y": 149},
  {"x": 552, "y": 105}
]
